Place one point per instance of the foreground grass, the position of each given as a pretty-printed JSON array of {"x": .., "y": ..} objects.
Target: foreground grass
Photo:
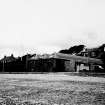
[{"x": 43, "y": 92}]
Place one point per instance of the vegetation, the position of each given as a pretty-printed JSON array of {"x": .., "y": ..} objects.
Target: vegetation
[
  {"x": 43, "y": 92},
  {"x": 73, "y": 49}
]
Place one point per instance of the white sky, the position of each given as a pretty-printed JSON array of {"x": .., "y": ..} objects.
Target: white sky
[{"x": 50, "y": 25}]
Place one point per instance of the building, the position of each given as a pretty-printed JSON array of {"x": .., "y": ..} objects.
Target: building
[
  {"x": 93, "y": 52},
  {"x": 6, "y": 63},
  {"x": 64, "y": 62},
  {"x": 45, "y": 63},
  {"x": 7, "y": 59}
]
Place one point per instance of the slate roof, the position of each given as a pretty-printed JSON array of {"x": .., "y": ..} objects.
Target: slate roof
[
  {"x": 8, "y": 59},
  {"x": 78, "y": 58},
  {"x": 81, "y": 59}
]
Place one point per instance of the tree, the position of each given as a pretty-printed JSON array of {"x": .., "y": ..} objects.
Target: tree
[
  {"x": 73, "y": 50},
  {"x": 65, "y": 51}
]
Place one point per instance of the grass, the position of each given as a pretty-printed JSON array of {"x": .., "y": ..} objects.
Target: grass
[
  {"x": 43, "y": 92},
  {"x": 85, "y": 74}
]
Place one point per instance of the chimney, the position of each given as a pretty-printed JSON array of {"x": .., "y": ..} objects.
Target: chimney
[
  {"x": 12, "y": 55},
  {"x": 4, "y": 56}
]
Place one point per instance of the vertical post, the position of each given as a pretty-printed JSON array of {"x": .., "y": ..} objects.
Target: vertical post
[
  {"x": 53, "y": 65},
  {"x": 21, "y": 58},
  {"x": 3, "y": 66},
  {"x": 91, "y": 67},
  {"x": 77, "y": 67},
  {"x": 26, "y": 62}
]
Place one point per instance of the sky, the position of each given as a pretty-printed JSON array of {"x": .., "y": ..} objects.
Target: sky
[{"x": 47, "y": 26}]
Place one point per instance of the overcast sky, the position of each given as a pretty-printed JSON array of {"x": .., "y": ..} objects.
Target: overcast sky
[{"x": 50, "y": 25}]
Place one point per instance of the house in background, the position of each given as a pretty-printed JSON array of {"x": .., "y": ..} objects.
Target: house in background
[
  {"x": 92, "y": 52},
  {"x": 6, "y": 63},
  {"x": 7, "y": 59}
]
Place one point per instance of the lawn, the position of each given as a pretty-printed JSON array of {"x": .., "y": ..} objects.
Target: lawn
[{"x": 27, "y": 91}]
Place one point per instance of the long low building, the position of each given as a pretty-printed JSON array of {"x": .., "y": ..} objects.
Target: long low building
[
  {"x": 67, "y": 62},
  {"x": 81, "y": 59}
]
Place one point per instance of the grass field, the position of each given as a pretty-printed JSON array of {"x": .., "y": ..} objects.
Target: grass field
[{"x": 22, "y": 90}]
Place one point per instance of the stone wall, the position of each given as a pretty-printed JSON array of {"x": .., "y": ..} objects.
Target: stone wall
[{"x": 70, "y": 65}]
